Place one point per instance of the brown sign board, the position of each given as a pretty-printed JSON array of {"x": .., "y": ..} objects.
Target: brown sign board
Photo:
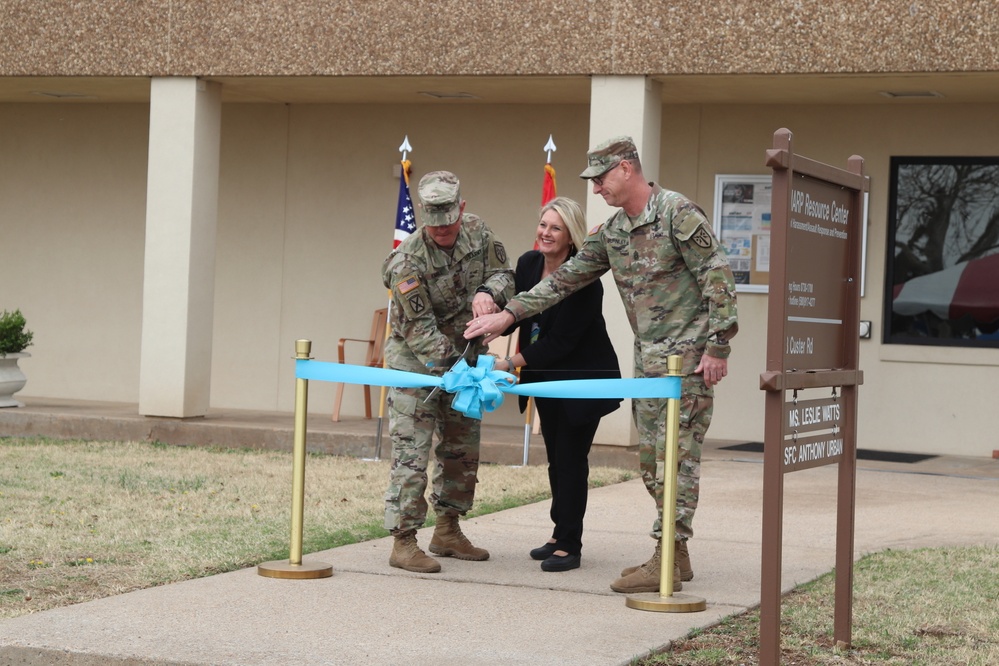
[
  {"x": 806, "y": 452},
  {"x": 817, "y": 267},
  {"x": 813, "y": 320},
  {"x": 811, "y": 415}
]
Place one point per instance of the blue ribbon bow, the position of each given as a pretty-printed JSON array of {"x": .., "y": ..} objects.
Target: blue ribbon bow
[{"x": 477, "y": 388}]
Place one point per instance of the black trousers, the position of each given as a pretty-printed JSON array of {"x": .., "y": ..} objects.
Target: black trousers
[{"x": 568, "y": 446}]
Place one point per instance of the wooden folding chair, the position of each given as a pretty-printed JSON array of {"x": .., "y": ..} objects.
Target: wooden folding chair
[{"x": 373, "y": 359}]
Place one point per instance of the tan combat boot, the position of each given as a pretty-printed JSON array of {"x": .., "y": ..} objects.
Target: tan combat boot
[
  {"x": 406, "y": 554},
  {"x": 682, "y": 559},
  {"x": 680, "y": 556},
  {"x": 450, "y": 542},
  {"x": 646, "y": 577}
]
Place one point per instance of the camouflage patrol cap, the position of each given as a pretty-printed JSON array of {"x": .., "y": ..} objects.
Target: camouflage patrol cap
[
  {"x": 607, "y": 154},
  {"x": 440, "y": 198}
]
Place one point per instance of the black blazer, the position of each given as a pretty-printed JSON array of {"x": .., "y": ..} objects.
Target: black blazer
[{"x": 572, "y": 342}]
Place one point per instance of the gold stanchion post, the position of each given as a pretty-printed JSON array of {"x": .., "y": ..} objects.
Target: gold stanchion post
[
  {"x": 666, "y": 601},
  {"x": 527, "y": 431},
  {"x": 294, "y": 568}
]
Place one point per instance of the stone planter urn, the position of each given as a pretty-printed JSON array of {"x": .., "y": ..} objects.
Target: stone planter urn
[{"x": 12, "y": 379}]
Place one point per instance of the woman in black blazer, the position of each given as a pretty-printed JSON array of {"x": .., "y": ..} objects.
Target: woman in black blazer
[{"x": 567, "y": 341}]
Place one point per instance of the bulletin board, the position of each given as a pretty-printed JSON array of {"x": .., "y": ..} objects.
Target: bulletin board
[{"x": 742, "y": 225}]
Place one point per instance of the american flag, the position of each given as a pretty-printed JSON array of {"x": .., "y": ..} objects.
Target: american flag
[
  {"x": 408, "y": 285},
  {"x": 405, "y": 216}
]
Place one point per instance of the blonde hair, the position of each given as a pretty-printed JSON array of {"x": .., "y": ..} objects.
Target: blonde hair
[{"x": 573, "y": 217}]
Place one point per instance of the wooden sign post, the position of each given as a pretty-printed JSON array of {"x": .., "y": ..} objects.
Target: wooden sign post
[{"x": 812, "y": 343}]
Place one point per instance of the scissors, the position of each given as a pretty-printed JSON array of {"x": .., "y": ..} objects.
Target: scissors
[{"x": 460, "y": 356}]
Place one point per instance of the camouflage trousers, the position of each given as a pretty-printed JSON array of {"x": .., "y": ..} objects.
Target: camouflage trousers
[
  {"x": 412, "y": 425},
  {"x": 695, "y": 417}
]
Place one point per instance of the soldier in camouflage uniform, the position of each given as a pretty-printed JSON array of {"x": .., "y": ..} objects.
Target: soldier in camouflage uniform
[
  {"x": 679, "y": 293},
  {"x": 450, "y": 271}
]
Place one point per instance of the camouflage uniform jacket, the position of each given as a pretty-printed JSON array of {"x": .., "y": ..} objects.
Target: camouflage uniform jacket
[
  {"x": 432, "y": 291},
  {"x": 673, "y": 276}
]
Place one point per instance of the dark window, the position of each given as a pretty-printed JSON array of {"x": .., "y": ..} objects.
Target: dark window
[{"x": 942, "y": 282}]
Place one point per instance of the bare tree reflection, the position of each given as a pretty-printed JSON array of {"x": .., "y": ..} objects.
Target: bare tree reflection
[{"x": 945, "y": 214}]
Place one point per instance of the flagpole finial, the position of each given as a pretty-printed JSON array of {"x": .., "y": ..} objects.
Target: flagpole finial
[
  {"x": 405, "y": 147},
  {"x": 550, "y": 148}
]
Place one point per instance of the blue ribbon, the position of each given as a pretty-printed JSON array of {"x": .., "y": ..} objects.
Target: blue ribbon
[{"x": 481, "y": 388}]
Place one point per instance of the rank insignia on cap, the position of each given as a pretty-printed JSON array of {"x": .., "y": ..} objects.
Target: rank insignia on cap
[{"x": 408, "y": 285}]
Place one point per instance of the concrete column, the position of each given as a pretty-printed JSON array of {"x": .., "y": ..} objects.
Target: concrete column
[
  {"x": 629, "y": 105},
  {"x": 178, "y": 295}
]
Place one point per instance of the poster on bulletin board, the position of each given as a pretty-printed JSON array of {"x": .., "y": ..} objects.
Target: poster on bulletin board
[{"x": 742, "y": 225}]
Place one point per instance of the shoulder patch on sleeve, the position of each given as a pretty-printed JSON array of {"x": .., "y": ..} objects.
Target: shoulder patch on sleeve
[
  {"x": 416, "y": 304},
  {"x": 702, "y": 238},
  {"x": 686, "y": 223},
  {"x": 596, "y": 229},
  {"x": 500, "y": 252},
  {"x": 408, "y": 285},
  {"x": 693, "y": 227}
]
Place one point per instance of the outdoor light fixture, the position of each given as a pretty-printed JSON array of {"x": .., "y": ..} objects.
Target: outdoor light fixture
[
  {"x": 62, "y": 95},
  {"x": 910, "y": 94},
  {"x": 448, "y": 95}
]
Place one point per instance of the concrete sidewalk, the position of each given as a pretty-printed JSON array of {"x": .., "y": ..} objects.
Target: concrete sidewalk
[{"x": 506, "y": 610}]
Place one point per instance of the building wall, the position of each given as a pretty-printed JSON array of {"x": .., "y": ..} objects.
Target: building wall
[
  {"x": 307, "y": 199},
  {"x": 72, "y": 228}
]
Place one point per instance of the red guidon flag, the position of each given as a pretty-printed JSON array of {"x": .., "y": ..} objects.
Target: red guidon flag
[{"x": 547, "y": 189}]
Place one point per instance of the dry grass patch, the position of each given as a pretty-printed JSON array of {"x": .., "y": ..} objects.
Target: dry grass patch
[
  {"x": 81, "y": 520},
  {"x": 932, "y": 607}
]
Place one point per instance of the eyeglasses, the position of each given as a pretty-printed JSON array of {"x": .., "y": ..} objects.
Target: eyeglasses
[{"x": 599, "y": 180}]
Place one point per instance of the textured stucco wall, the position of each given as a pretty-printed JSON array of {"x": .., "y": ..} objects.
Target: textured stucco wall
[{"x": 493, "y": 37}]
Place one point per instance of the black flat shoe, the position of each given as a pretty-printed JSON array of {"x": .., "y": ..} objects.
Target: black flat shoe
[
  {"x": 561, "y": 563},
  {"x": 544, "y": 552}
]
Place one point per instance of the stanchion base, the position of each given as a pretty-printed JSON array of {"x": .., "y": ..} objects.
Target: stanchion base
[
  {"x": 285, "y": 569},
  {"x": 677, "y": 603}
]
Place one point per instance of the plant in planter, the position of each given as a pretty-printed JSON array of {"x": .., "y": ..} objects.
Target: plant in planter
[{"x": 14, "y": 339}]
